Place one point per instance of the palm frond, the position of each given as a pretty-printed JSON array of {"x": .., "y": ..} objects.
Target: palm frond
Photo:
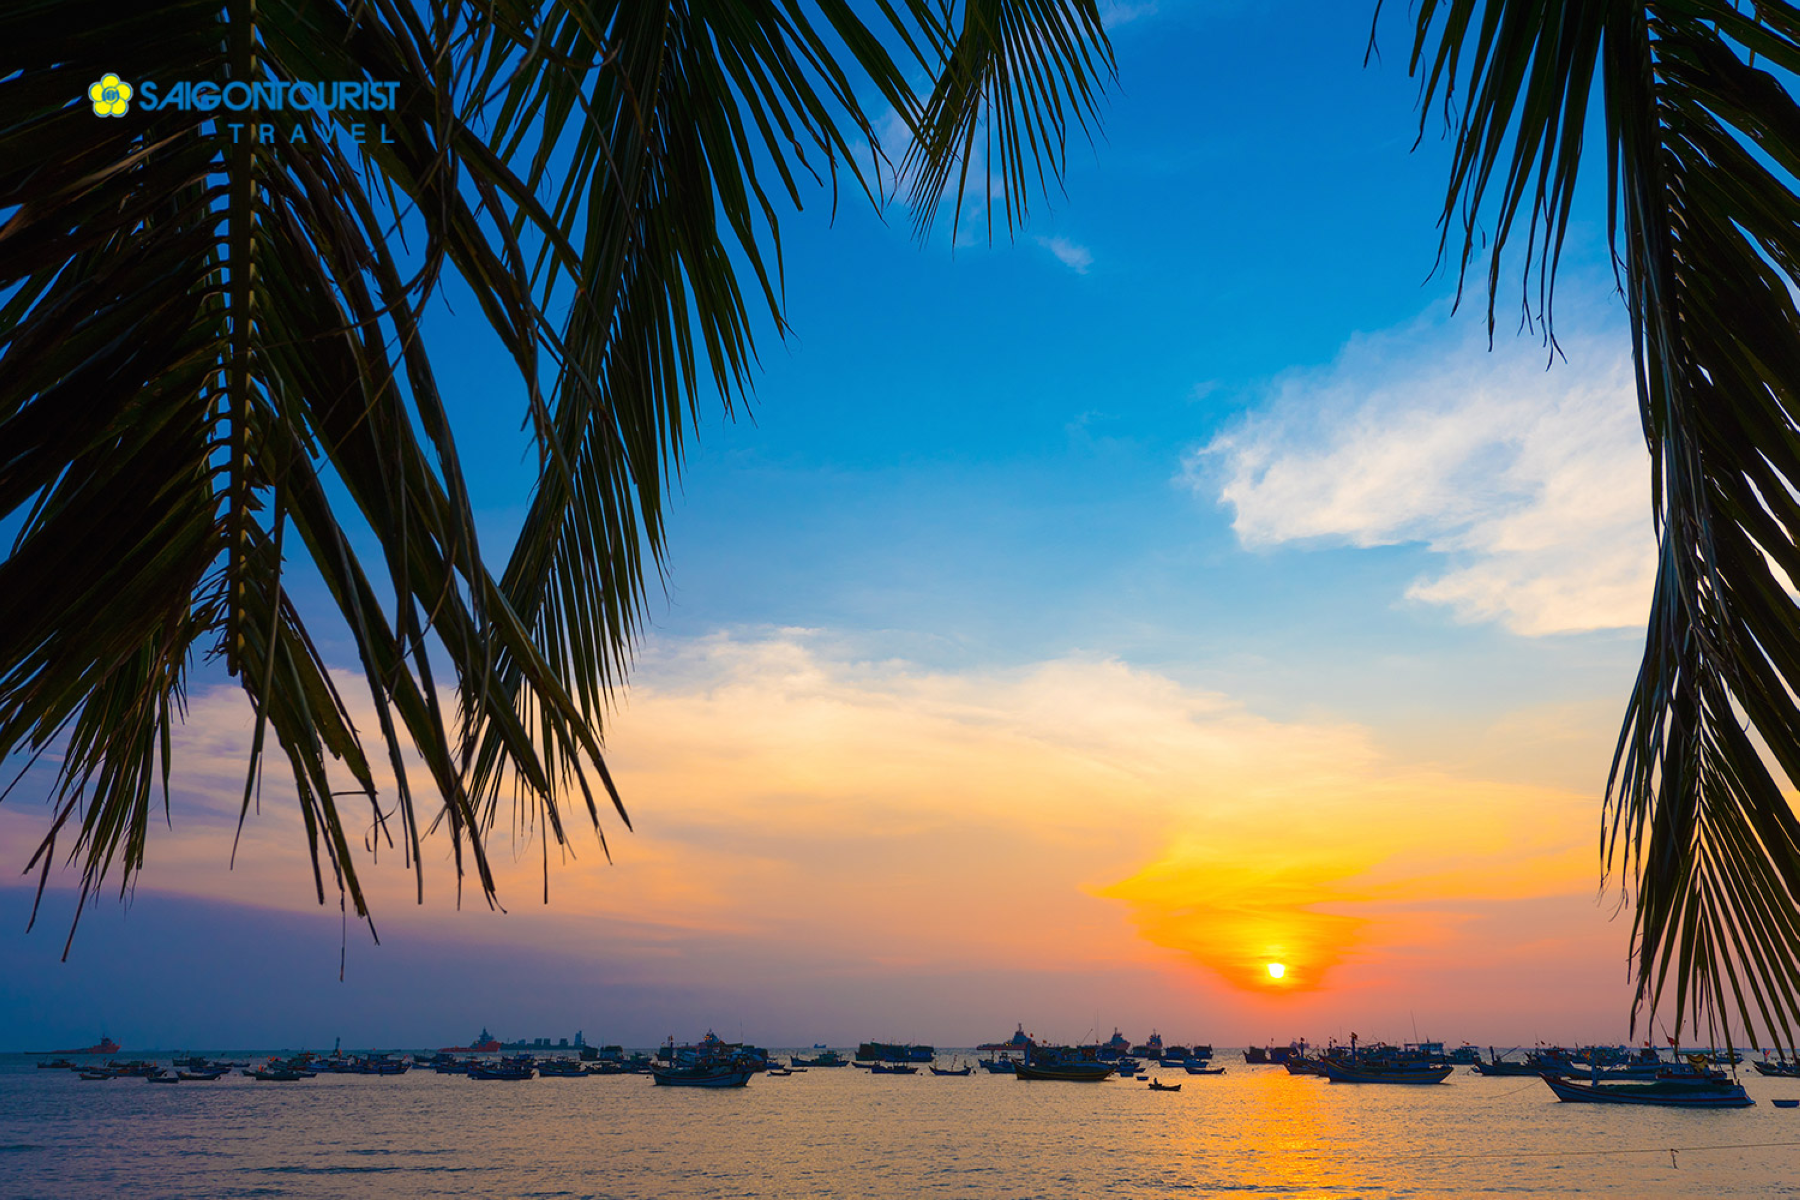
[
  {"x": 211, "y": 361},
  {"x": 1702, "y": 152}
]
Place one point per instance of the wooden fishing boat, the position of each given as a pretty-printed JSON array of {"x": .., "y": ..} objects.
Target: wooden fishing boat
[
  {"x": 1157, "y": 1085},
  {"x": 1194, "y": 1070},
  {"x": 1665, "y": 1093},
  {"x": 1391, "y": 1072},
  {"x": 948, "y": 1071},
  {"x": 513, "y": 1072},
  {"x": 829, "y": 1058},
  {"x": 1066, "y": 1070},
  {"x": 880, "y": 1068},
  {"x": 722, "y": 1074}
]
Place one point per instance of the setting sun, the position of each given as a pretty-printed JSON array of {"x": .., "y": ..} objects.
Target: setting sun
[{"x": 1277, "y": 970}]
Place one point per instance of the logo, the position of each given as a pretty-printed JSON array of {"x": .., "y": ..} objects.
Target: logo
[{"x": 111, "y": 96}]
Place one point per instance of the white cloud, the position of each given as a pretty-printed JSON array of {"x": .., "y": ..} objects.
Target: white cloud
[
  {"x": 1533, "y": 483},
  {"x": 1075, "y": 257}
]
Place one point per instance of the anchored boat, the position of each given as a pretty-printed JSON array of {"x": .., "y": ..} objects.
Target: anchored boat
[{"x": 1694, "y": 1092}]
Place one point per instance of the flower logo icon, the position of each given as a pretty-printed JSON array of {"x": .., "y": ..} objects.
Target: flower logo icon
[{"x": 111, "y": 96}]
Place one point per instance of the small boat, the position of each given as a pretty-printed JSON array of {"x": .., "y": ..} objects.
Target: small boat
[
  {"x": 1786, "y": 1103},
  {"x": 91, "y": 1075},
  {"x": 1072, "y": 1071},
  {"x": 936, "y": 1070},
  {"x": 163, "y": 1078},
  {"x": 722, "y": 1074},
  {"x": 1392, "y": 1072},
  {"x": 892, "y": 1069},
  {"x": 1664, "y": 1093},
  {"x": 778, "y": 1072},
  {"x": 199, "y": 1076},
  {"x": 562, "y": 1068},
  {"x": 1156, "y": 1085},
  {"x": 998, "y": 1066},
  {"x": 1502, "y": 1067},
  {"x": 514, "y": 1072},
  {"x": 829, "y": 1058},
  {"x": 1779, "y": 1070},
  {"x": 58, "y": 1064},
  {"x": 274, "y": 1075},
  {"x": 1194, "y": 1070}
]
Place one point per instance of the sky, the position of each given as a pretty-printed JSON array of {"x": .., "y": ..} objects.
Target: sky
[{"x": 1070, "y": 627}]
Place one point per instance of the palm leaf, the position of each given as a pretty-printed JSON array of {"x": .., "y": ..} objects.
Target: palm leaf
[
  {"x": 211, "y": 361},
  {"x": 1702, "y": 145}
]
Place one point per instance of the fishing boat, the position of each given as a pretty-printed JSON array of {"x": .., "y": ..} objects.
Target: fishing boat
[
  {"x": 713, "y": 1063},
  {"x": 96, "y": 1075},
  {"x": 1023, "y": 1042},
  {"x": 778, "y": 1072},
  {"x": 1197, "y": 1069},
  {"x": 56, "y": 1064},
  {"x": 827, "y": 1058},
  {"x": 1786, "y": 1103},
  {"x": 163, "y": 1077},
  {"x": 562, "y": 1068},
  {"x": 1391, "y": 1072},
  {"x": 894, "y": 1052},
  {"x": 1156, "y": 1085},
  {"x": 1068, "y": 1070},
  {"x": 721, "y": 1073},
  {"x": 1497, "y": 1064},
  {"x": 273, "y": 1075},
  {"x": 199, "y": 1076},
  {"x": 514, "y": 1072},
  {"x": 1779, "y": 1070},
  {"x": 1665, "y": 1093},
  {"x": 881, "y": 1068},
  {"x": 937, "y": 1070},
  {"x": 998, "y": 1065}
]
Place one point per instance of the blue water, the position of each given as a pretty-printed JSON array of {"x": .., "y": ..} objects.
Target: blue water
[{"x": 845, "y": 1133}]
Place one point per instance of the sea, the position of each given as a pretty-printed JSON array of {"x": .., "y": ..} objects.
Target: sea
[{"x": 1253, "y": 1131}]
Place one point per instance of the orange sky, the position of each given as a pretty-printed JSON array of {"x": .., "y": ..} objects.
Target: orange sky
[{"x": 1126, "y": 849}]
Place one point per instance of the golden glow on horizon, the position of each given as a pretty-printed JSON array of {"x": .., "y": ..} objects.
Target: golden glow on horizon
[
  {"x": 1277, "y": 970},
  {"x": 764, "y": 766}
]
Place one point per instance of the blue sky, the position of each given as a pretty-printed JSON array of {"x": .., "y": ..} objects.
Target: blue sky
[{"x": 1204, "y": 431}]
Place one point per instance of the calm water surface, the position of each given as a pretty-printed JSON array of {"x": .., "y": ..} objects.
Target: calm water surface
[{"x": 829, "y": 1133}]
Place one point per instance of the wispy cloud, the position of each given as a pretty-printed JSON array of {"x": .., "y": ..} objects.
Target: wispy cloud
[
  {"x": 1115, "y": 13},
  {"x": 1076, "y": 257},
  {"x": 1532, "y": 483},
  {"x": 976, "y": 820}
]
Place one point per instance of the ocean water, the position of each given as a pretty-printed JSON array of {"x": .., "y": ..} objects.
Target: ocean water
[{"x": 1254, "y": 1131}]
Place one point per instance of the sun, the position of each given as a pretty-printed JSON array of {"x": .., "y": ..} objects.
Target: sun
[{"x": 1277, "y": 970}]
